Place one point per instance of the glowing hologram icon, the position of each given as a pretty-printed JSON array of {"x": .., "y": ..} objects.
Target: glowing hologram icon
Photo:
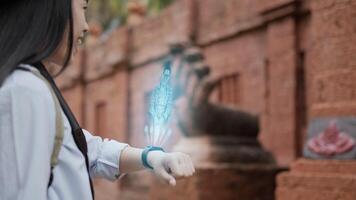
[{"x": 160, "y": 109}]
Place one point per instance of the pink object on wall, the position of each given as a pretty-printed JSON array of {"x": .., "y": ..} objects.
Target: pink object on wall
[{"x": 331, "y": 141}]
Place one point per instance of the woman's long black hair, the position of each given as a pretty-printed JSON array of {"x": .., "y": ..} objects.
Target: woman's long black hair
[{"x": 31, "y": 30}]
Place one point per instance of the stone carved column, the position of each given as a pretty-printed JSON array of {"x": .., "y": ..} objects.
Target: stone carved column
[{"x": 327, "y": 169}]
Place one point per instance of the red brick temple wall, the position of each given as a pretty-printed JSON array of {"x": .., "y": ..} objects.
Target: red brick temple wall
[
  {"x": 290, "y": 61},
  {"x": 329, "y": 65}
]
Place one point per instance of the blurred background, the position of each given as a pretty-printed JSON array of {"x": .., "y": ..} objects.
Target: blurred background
[
  {"x": 270, "y": 76},
  {"x": 113, "y": 13}
]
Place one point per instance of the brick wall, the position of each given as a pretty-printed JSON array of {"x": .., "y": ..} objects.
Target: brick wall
[
  {"x": 106, "y": 106},
  {"x": 330, "y": 60},
  {"x": 329, "y": 65}
]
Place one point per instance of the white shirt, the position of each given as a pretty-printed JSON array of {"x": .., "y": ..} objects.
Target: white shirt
[{"x": 27, "y": 130}]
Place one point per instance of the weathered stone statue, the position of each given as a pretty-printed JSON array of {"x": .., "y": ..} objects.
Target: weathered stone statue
[{"x": 231, "y": 133}]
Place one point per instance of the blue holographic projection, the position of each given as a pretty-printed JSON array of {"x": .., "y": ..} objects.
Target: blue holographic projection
[{"x": 160, "y": 109}]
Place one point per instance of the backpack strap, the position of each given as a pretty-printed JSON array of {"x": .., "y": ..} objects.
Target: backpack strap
[
  {"x": 77, "y": 131},
  {"x": 59, "y": 123}
]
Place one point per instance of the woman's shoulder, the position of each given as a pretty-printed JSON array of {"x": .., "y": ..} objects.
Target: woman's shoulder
[{"x": 23, "y": 79}]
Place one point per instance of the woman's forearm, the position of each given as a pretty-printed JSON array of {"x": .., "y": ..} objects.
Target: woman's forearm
[{"x": 130, "y": 160}]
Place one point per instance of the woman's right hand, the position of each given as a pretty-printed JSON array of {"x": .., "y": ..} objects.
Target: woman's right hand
[{"x": 171, "y": 166}]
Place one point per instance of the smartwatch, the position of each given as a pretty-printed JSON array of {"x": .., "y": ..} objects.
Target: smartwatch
[{"x": 145, "y": 154}]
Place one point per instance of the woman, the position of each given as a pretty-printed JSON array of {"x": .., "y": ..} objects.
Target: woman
[{"x": 33, "y": 35}]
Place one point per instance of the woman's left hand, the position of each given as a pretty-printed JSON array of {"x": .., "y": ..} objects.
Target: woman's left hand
[{"x": 169, "y": 166}]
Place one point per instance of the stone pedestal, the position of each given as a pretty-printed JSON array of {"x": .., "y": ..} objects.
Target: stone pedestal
[
  {"x": 226, "y": 169},
  {"x": 224, "y": 149},
  {"x": 318, "y": 180},
  {"x": 223, "y": 182}
]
